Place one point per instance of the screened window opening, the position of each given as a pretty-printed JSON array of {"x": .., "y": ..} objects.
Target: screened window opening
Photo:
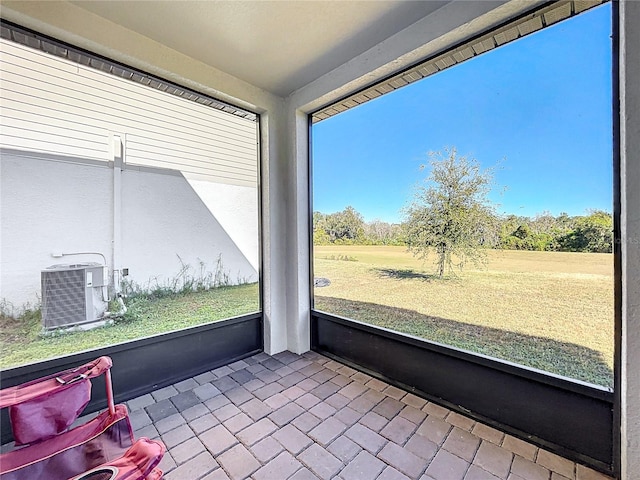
[
  {"x": 474, "y": 207},
  {"x": 129, "y": 206}
]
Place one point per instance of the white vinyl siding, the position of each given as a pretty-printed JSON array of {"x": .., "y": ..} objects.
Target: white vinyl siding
[{"x": 52, "y": 105}]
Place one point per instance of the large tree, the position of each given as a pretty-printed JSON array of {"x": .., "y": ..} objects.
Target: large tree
[{"x": 450, "y": 214}]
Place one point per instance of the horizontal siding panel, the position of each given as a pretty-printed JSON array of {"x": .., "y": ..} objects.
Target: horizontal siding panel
[
  {"x": 52, "y": 105},
  {"x": 86, "y": 96},
  {"x": 117, "y": 122},
  {"x": 177, "y": 145},
  {"x": 55, "y": 67},
  {"x": 142, "y": 101}
]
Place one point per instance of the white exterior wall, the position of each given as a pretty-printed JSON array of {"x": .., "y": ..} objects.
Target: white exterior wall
[
  {"x": 187, "y": 190},
  {"x": 55, "y": 205}
]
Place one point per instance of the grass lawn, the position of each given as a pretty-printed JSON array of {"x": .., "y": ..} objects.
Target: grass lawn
[
  {"x": 548, "y": 310},
  {"x": 21, "y": 341}
]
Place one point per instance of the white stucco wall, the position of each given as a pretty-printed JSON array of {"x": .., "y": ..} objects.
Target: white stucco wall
[{"x": 55, "y": 205}]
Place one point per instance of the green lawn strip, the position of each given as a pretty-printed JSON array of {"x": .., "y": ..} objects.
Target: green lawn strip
[
  {"x": 543, "y": 317},
  {"x": 22, "y": 342}
]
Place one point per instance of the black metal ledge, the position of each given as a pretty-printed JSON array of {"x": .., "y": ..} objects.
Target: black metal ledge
[
  {"x": 142, "y": 366},
  {"x": 572, "y": 419}
]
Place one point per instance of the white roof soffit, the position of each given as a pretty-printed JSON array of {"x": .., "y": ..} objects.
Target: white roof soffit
[
  {"x": 513, "y": 30},
  {"x": 23, "y": 36}
]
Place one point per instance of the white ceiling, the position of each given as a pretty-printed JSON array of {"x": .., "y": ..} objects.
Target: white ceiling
[{"x": 279, "y": 46}]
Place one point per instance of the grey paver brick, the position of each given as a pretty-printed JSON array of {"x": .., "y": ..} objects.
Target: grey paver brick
[
  {"x": 520, "y": 447},
  {"x": 187, "y": 450},
  {"x": 303, "y": 474},
  {"x": 291, "y": 379},
  {"x": 286, "y": 414},
  {"x": 293, "y": 392},
  {"x": 344, "y": 448},
  {"x": 367, "y": 401},
  {"x": 447, "y": 466},
  {"x": 222, "y": 371},
  {"x": 195, "y": 412},
  {"x": 139, "y": 418},
  {"x": 203, "y": 423},
  {"x": 266, "y": 449},
  {"x": 321, "y": 462},
  {"x": 239, "y": 365},
  {"x": 140, "y": 402},
  {"x": 346, "y": 371},
  {"x": 167, "y": 463},
  {"x": 300, "y": 364},
  {"x": 413, "y": 414},
  {"x": 526, "y": 469},
  {"x": 388, "y": 408},
  {"x": 434, "y": 429},
  {"x": 205, "y": 377},
  {"x": 169, "y": 423},
  {"x": 292, "y": 439},
  {"x": 364, "y": 467},
  {"x": 323, "y": 410},
  {"x": 308, "y": 384},
  {"x": 272, "y": 364},
  {"x": 283, "y": 371},
  {"x": 556, "y": 463},
  {"x": 276, "y": 401},
  {"x": 460, "y": 421},
  {"x": 348, "y": 416},
  {"x": 402, "y": 460},
  {"x": 282, "y": 466},
  {"x": 268, "y": 390},
  {"x": 323, "y": 375},
  {"x": 185, "y": 400},
  {"x": 185, "y": 385},
  {"x": 238, "y": 422},
  {"x": 238, "y": 462},
  {"x": 353, "y": 390},
  {"x": 462, "y": 443},
  {"x": 256, "y": 432},
  {"x": 398, "y": 430},
  {"x": 194, "y": 468},
  {"x": 307, "y": 401},
  {"x": 217, "y": 439},
  {"x": 255, "y": 368},
  {"x": 256, "y": 409},
  {"x": 361, "y": 377},
  {"x": 239, "y": 395},
  {"x": 216, "y": 402},
  {"x": 287, "y": 357},
  {"x": 306, "y": 422},
  {"x": 325, "y": 390},
  {"x": 391, "y": 473},
  {"x": 414, "y": 401},
  {"x": 267, "y": 376},
  {"x": 218, "y": 474},
  {"x": 477, "y": 473},
  {"x": 226, "y": 412},
  {"x": 161, "y": 410},
  {"x": 337, "y": 401},
  {"x": 225, "y": 383},
  {"x": 488, "y": 433},
  {"x": 376, "y": 384},
  {"x": 394, "y": 392},
  {"x": 164, "y": 393},
  {"x": 494, "y": 459},
  {"x": 177, "y": 436},
  {"x": 148, "y": 431},
  {"x": 435, "y": 410},
  {"x": 311, "y": 369},
  {"x": 254, "y": 385},
  {"x": 242, "y": 376},
  {"x": 421, "y": 446},
  {"x": 374, "y": 421},
  {"x": 206, "y": 391},
  {"x": 366, "y": 438},
  {"x": 327, "y": 431}
]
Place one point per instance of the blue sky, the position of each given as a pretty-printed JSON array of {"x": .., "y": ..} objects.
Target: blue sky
[{"x": 538, "y": 109}]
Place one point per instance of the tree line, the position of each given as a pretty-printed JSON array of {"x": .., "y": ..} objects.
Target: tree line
[
  {"x": 452, "y": 214},
  {"x": 544, "y": 232}
]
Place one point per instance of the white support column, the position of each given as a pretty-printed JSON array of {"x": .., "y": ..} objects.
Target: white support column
[
  {"x": 118, "y": 146},
  {"x": 275, "y": 233},
  {"x": 630, "y": 223}
]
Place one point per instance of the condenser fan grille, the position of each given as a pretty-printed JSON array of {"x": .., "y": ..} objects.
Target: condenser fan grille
[{"x": 63, "y": 298}]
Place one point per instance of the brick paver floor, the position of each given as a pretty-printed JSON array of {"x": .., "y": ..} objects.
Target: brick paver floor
[{"x": 306, "y": 417}]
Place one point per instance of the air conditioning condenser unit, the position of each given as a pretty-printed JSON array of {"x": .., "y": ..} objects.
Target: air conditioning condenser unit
[{"x": 72, "y": 295}]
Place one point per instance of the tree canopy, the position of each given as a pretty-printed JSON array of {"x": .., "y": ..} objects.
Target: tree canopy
[{"x": 451, "y": 214}]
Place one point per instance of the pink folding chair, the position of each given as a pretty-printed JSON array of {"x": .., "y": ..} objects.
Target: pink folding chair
[{"x": 41, "y": 412}]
